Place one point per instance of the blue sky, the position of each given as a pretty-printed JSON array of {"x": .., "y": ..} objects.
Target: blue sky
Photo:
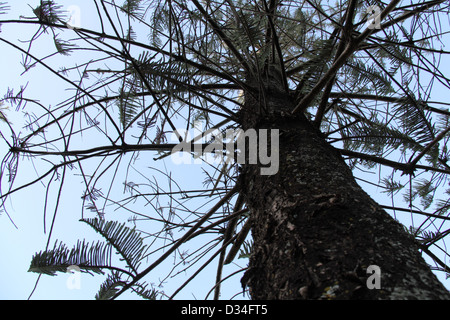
[
  {"x": 18, "y": 245},
  {"x": 26, "y": 207}
]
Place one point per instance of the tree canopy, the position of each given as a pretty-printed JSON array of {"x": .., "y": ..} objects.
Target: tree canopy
[{"x": 143, "y": 76}]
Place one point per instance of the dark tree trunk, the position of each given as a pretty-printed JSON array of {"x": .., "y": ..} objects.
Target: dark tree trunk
[{"x": 315, "y": 231}]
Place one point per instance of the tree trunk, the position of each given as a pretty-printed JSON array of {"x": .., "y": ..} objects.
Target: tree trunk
[{"x": 315, "y": 231}]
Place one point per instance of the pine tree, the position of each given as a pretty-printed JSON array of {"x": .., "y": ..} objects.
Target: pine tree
[{"x": 295, "y": 98}]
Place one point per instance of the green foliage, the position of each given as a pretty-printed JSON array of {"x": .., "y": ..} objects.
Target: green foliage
[
  {"x": 365, "y": 77},
  {"x": 4, "y": 7},
  {"x": 164, "y": 75},
  {"x": 87, "y": 257},
  {"x": 143, "y": 292},
  {"x": 191, "y": 65},
  {"x": 3, "y": 108},
  {"x": 442, "y": 207},
  {"x": 414, "y": 120},
  {"x": 424, "y": 190},
  {"x": 391, "y": 186},
  {"x": 110, "y": 286},
  {"x": 63, "y": 47},
  {"x": 314, "y": 63},
  {"x": 424, "y": 235},
  {"x": 133, "y": 8},
  {"x": 160, "y": 18},
  {"x": 98, "y": 257},
  {"x": 246, "y": 249},
  {"x": 126, "y": 242},
  {"x": 128, "y": 105},
  {"x": 49, "y": 12},
  {"x": 376, "y": 138},
  {"x": 114, "y": 283},
  {"x": 246, "y": 33}
]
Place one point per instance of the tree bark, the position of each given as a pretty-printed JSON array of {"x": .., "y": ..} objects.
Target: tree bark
[{"x": 315, "y": 231}]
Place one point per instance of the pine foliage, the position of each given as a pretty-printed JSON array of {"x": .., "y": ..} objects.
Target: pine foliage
[
  {"x": 98, "y": 258},
  {"x": 88, "y": 257},
  {"x": 125, "y": 241},
  {"x": 133, "y": 8},
  {"x": 179, "y": 62},
  {"x": 49, "y": 12}
]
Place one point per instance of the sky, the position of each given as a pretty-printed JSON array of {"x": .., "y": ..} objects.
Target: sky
[
  {"x": 27, "y": 206},
  {"x": 19, "y": 244}
]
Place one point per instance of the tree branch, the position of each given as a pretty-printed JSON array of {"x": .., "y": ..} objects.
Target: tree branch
[
  {"x": 218, "y": 30},
  {"x": 363, "y": 96},
  {"x": 407, "y": 168},
  {"x": 339, "y": 62},
  {"x": 186, "y": 236}
]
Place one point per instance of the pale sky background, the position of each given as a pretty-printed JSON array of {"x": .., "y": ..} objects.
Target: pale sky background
[{"x": 18, "y": 245}]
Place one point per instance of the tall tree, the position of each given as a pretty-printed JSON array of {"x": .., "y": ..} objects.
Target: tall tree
[{"x": 310, "y": 93}]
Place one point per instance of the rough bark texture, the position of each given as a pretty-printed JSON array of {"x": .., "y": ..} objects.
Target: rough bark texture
[{"x": 315, "y": 231}]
